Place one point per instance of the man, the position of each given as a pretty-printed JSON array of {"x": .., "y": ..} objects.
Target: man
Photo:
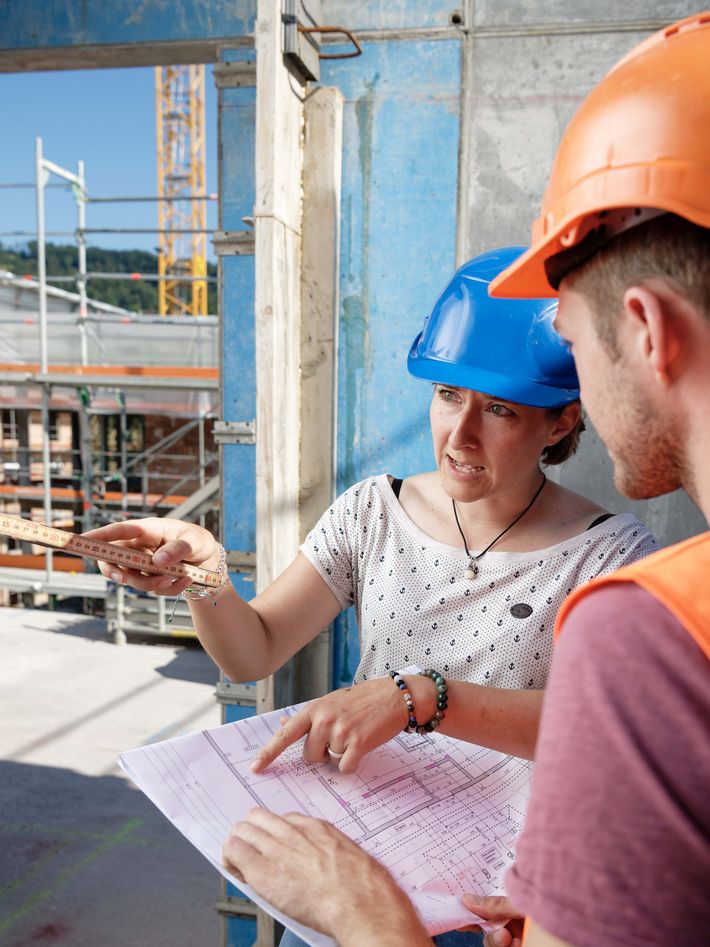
[{"x": 616, "y": 847}]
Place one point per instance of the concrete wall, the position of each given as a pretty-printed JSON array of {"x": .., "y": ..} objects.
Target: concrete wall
[
  {"x": 452, "y": 117},
  {"x": 528, "y": 66},
  {"x": 398, "y": 235}
]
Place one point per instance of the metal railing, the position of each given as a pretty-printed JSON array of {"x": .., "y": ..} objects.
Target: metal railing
[{"x": 145, "y": 481}]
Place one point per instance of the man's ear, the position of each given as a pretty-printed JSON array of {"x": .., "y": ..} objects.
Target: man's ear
[{"x": 653, "y": 323}]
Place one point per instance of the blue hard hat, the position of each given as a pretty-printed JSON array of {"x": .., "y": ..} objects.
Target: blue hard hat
[{"x": 507, "y": 348}]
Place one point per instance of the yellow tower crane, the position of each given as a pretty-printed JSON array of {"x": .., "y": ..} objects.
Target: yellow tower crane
[{"x": 180, "y": 127}]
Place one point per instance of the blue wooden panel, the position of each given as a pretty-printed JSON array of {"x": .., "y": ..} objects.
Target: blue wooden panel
[
  {"x": 239, "y": 388},
  {"x": 400, "y": 158},
  {"x": 240, "y": 932},
  {"x": 237, "y": 116},
  {"x": 239, "y": 373},
  {"x": 237, "y": 169},
  {"x": 237, "y": 147},
  {"x": 37, "y": 24},
  {"x": 238, "y": 515},
  {"x": 235, "y": 712}
]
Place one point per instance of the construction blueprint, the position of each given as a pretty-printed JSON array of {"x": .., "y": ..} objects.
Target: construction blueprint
[{"x": 441, "y": 814}]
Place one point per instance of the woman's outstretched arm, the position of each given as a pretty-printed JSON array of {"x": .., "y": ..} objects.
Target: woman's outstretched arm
[{"x": 248, "y": 640}]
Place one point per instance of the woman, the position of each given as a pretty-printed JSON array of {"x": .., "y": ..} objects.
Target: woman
[{"x": 461, "y": 569}]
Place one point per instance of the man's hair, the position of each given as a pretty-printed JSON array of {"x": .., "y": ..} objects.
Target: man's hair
[
  {"x": 667, "y": 246},
  {"x": 564, "y": 449}
]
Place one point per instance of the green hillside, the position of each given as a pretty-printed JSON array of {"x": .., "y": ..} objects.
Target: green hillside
[{"x": 135, "y": 295}]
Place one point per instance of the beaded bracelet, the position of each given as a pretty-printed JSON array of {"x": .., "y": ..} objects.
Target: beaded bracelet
[
  {"x": 441, "y": 702},
  {"x": 196, "y": 593},
  {"x": 411, "y": 724}
]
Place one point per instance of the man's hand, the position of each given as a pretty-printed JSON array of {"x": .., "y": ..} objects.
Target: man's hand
[
  {"x": 495, "y": 908},
  {"x": 318, "y": 876}
]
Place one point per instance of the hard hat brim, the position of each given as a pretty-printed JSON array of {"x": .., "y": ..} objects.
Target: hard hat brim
[
  {"x": 638, "y": 140},
  {"x": 518, "y": 391},
  {"x": 526, "y": 277}
]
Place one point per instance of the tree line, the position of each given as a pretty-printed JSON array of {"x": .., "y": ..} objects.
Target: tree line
[{"x": 134, "y": 295}]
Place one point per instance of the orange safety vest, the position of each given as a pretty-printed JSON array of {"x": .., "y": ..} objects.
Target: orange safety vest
[{"x": 679, "y": 577}]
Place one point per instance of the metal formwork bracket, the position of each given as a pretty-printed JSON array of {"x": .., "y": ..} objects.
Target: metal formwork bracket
[
  {"x": 236, "y": 907},
  {"x": 240, "y": 561},
  {"x": 242, "y": 694},
  {"x": 235, "y": 75},
  {"x": 301, "y": 44},
  {"x": 234, "y": 432},
  {"x": 233, "y": 242}
]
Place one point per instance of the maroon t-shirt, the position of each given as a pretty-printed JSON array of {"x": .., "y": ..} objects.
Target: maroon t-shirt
[{"x": 616, "y": 845}]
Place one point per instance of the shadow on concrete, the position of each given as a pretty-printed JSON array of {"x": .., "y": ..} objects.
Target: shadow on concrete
[
  {"x": 89, "y": 860},
  {"x": 191, "y": 664},
  {"x": 63, "y": 623},
  {"x": 188, "y": 661}
]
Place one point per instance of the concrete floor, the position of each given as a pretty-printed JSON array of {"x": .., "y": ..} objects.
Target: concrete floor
[{"x": 85, "y": 859}]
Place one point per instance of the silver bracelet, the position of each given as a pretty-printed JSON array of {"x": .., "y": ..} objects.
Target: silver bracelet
[{"x": 195, "y": 593}]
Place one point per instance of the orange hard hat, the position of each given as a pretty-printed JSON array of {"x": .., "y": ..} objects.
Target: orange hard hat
[{"x": 637, "y": 146}]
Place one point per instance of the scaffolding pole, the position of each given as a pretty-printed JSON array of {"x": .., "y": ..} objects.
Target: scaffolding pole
[
  {"x": 86, "y": 458},
  {"x": 134, "y": 277},
  {"x": 42, "y": 175},
  {"x": 43, "y": 169},
  {"x": 121, "y": 398},
  {"x": 80, "y": 194},
  {"x": 127, "y": 198},
  {"x": 72, "y": 233}
]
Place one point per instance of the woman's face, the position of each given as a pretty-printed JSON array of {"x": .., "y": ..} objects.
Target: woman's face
[{"x": 486, "y": 446}]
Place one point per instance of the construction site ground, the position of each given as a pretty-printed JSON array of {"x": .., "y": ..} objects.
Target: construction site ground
[{"x": 86, "y": 859}]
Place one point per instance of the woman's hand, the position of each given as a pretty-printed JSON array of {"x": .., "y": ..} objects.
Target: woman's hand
[
  {"x": 170, "y": 541},
  {"x": 352, "y": 721}
]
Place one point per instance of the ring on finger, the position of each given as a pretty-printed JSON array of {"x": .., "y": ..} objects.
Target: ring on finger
[{"x": 333, "y": 754}]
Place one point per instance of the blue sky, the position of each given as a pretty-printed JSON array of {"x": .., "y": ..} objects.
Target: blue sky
[{"x": 105, "y": 117}]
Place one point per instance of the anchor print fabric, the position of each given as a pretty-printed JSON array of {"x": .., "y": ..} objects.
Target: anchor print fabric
[{"x": 415, "y": 606}]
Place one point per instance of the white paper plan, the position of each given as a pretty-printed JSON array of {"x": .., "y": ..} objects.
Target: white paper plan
[{"x": 441, "y": 814}]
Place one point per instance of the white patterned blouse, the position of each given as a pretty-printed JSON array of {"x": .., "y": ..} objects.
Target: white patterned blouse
[{"x": 415, "y": 606}]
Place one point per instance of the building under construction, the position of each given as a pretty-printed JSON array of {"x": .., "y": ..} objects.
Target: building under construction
[
  {"x": 129, "y": 433},
  {"x": 108, "y": 414},
  {"x": 358, "y": 165}
]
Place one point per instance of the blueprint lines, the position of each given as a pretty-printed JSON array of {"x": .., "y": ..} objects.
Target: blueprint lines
[{"x": 441, "y": 814}]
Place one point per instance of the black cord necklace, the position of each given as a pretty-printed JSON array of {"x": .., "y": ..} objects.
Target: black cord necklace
[{"x": 472, "y": 570}]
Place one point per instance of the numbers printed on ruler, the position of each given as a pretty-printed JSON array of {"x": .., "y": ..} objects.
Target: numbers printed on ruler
[{"x": 44, "y": 535}]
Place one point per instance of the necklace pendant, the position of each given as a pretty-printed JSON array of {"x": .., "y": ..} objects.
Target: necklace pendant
[{"x": 471, "y": 572}]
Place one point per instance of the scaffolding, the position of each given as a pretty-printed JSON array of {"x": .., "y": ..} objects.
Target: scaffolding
[{"x": 91, "y": 481}]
